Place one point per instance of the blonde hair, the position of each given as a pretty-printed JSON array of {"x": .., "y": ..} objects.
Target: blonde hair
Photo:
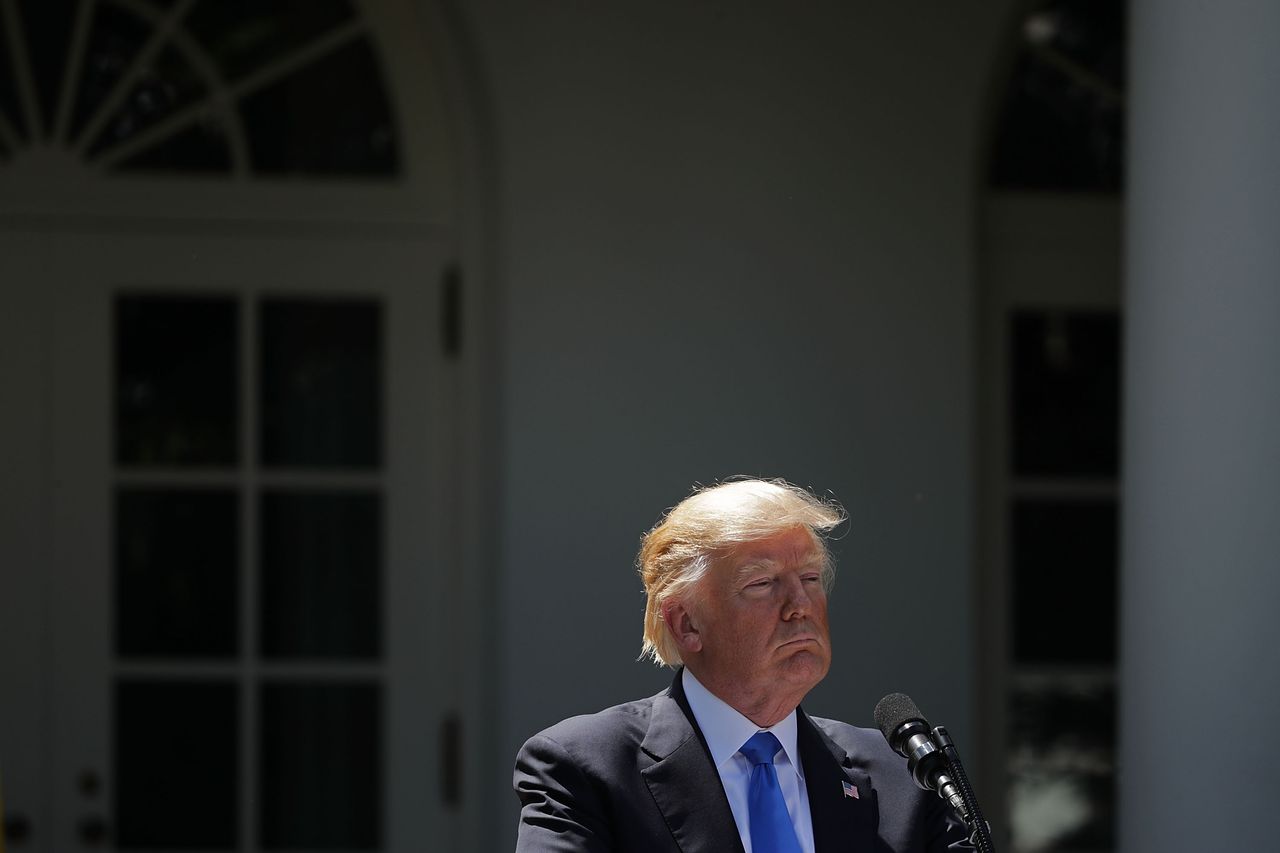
[{"x": 687, "y": 541}]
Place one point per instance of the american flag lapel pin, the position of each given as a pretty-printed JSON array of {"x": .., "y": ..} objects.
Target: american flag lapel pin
[{"x": 849, "y": 790}]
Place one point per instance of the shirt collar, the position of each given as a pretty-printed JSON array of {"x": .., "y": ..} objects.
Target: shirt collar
[{"x": 726, "y": 730}]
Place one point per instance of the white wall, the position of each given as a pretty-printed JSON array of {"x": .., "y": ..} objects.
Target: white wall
[{"x": 734, "y": 238}]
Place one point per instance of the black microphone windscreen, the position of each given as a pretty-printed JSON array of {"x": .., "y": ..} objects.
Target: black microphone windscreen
[{"x": 894, "y": 710}]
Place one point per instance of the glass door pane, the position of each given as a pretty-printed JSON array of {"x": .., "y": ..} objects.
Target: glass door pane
[
  {"x": 177, "y": 380},
  {"x": 320, "y": 391},
  {"x": 176, "y": 746},
  {"x": 177, "y": 554},
  {"x": 320, "y": 571},
  {"x": 320, "y": 766}
]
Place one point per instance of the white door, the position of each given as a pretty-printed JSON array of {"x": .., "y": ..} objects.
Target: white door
[{"x": 247, "y": 553}]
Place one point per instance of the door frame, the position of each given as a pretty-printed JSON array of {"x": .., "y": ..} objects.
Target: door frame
[{"x": 456, "y": 636}]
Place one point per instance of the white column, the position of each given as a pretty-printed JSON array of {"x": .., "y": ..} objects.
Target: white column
[{"x": 1200, "y": 652}]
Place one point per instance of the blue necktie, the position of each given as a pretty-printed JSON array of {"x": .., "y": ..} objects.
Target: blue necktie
[{"x": 771, "y": 827}]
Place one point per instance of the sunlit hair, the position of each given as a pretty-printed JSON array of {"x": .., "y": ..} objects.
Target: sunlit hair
[{"x": 705, "y": 526}]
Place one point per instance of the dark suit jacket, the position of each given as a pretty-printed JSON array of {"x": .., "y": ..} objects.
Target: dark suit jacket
[{"x": 638, "y": 777}]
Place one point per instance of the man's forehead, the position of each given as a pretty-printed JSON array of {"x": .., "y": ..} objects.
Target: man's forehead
[{"x": 791, "y": 547}]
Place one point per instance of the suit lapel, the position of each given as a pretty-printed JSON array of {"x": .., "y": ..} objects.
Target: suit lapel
[
  {"x": 684, "y": 783},
  {"x": 840, "y": 822}
]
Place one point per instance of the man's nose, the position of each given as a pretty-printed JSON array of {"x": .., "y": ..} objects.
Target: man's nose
[{"x": 797, "y": 603}]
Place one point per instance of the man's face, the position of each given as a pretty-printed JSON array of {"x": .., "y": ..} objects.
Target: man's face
[{"x": 761, "y": 614}]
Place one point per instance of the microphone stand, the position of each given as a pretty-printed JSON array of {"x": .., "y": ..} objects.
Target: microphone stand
[{"x": 979, "y": 829}]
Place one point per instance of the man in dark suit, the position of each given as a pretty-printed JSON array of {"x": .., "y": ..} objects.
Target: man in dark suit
[{"x": 725, "y": 760}]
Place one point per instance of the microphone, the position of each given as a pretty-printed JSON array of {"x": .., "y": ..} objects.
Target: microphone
[{"x": 907, "y": 731}]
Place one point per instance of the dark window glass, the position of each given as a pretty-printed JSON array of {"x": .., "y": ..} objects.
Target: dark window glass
[
  {"x": 115, "y": 38},
  {"x": 1062, "y": 124},
  {"x": 166, "y": 84},
  {"x": 244, "y": 35},
  {"x": 285, "y": 119},
  {"x": 48, "y": 32},
  {"x": 1064, "y": 581},
  {"x": 176, "y": 765},
  {"x": 1062, "y": 766},
  {"x": 321, "y": 391},
  {"x": 321, "y": 570},
  {"x": 201, "y": 147},
  {"x": 1065, "y": 393},
  {"x": 176, "y": 380},
  {"x": 177, "y": 553},
  {"x": 321, "y": 767}
]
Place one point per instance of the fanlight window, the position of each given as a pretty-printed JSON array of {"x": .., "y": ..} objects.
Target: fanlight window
[{"x": 239, "y": 88}]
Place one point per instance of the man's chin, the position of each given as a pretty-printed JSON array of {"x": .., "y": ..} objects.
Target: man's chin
[{"x": 805, "y": 661}]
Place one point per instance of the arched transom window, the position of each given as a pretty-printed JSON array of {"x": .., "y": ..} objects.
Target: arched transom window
[{"x": 234, "y": 88}]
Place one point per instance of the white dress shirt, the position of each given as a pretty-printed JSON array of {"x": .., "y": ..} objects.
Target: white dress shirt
[{"x": 726, "y": 731}]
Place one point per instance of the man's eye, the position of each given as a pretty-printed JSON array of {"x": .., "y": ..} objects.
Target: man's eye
[
  {"x": 811, "y": 578},
  {"x": 760, "y": 584}
]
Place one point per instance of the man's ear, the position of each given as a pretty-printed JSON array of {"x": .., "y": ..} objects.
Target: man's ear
[{"x": 683, "y": 629}]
